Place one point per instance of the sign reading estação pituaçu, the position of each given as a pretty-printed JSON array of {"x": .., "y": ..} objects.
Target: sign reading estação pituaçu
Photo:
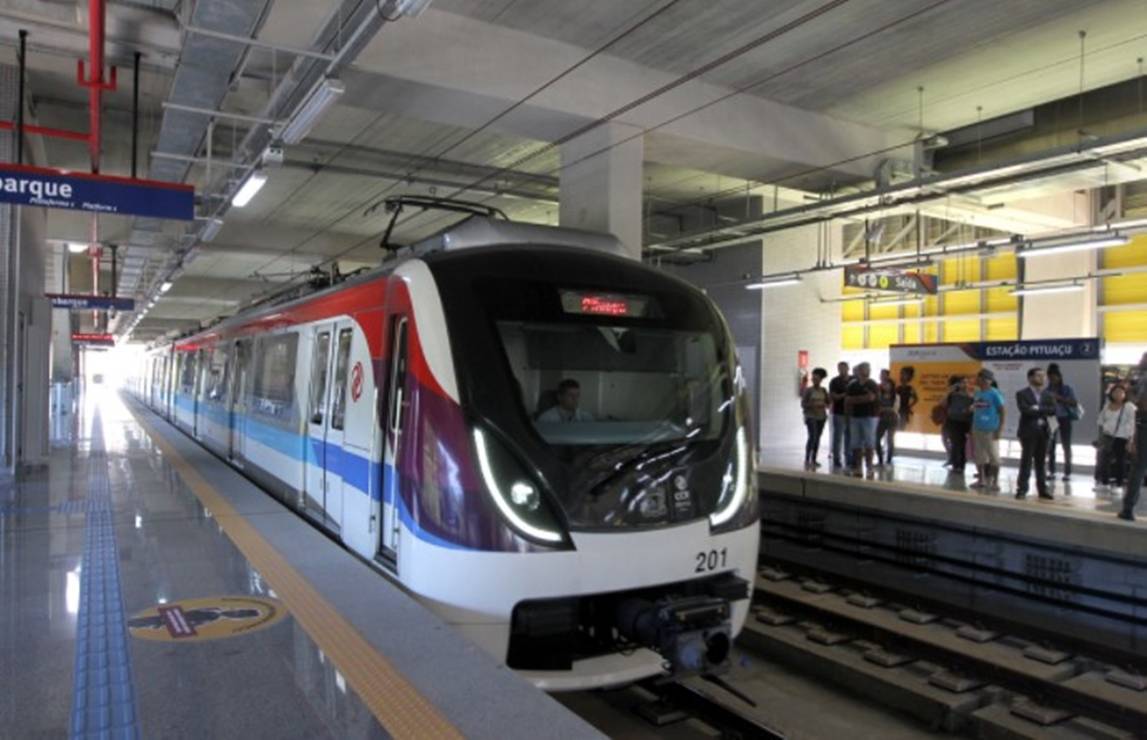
[{"x": 49, "y": 188}]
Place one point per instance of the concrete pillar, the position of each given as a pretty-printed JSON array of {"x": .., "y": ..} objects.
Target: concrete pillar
[
  {"x": 795, "y": 319},
  {"x": 602, "y": 191},
  {"x": 1062, "y": 315}
]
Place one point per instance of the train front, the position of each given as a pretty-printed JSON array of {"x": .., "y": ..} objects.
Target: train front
[{"x": 610, "y": 429}]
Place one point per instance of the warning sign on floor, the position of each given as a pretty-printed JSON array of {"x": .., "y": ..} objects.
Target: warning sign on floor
[{"x": 211, "y": 618}]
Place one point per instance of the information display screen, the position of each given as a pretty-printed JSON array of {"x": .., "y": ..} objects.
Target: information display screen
[{"x": 588, "y": 303}]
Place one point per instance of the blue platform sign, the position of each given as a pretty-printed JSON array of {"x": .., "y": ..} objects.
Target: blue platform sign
[
  {"x": 74, "y": 302},
  {"x": 75, "y": 191}
]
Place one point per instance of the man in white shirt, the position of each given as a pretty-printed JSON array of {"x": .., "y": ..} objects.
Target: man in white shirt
[{"x": 568, "y": 394}]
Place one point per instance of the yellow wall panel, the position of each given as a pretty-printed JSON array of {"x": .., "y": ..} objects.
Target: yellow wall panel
[
  {"x": 1002, "y": 267},
  {"x": 911, "y": 332},
  {"x": 883, "y": 312},
  {"x": 1002, "y": 330},
  {"x": 881, "y": 336},
  {"x": 931, "y": 332},
  {"x": 1000, "y": 299},
  {"x": 1129, "y": 255},
  {"x": 961, "y": 302},
  {"x": 962, "y": 330},
  {"x": 852, "y": 311},
  {"x": 1125, "y": 326},
  {"x": 1125, "y": 289},
  {"x": 852, "y": 337}
]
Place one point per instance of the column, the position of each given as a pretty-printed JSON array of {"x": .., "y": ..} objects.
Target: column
[
  {"x": 601, "y": 183},
  {"x": 1062, "y": 315}
]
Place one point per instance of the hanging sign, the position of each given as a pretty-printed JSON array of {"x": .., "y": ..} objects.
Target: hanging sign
[
  {"x": 75, "y": 191},
  {"x": 90, "y": 302},
  {"x": 94, "y": 340},
  {"x": 888, "y": 278}
]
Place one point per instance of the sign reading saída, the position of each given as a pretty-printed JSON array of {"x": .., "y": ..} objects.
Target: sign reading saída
[
  {"x": 866, "y": 277},
  {"x": 49, "y": 188}
]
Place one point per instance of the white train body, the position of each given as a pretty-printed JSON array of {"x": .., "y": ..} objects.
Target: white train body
[{"x": 410, "y": 413}]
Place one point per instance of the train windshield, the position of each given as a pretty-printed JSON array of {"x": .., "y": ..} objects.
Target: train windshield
[{"x": 597, "y": 382}]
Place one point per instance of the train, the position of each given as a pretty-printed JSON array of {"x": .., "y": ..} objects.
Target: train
[{"x": 543, "y": 441}]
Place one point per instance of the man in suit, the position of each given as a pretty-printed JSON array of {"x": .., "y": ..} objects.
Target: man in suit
[{"x": 1036, "y": 407}]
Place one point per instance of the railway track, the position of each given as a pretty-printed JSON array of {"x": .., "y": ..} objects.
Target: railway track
[{"x": 954, "y": 673}]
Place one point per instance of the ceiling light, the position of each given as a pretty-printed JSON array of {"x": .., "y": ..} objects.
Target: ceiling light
[
  {"x": 1115, "y": 240},
  {"x": 165, "y": 287},
  {"x": 910, "y": 300},
  {"x": 1043, "y": 289},
  {"x": 211, "y": 229},
  {"x": 774, "y": 281},
  {"x": 325, "y": 94},
  {"x": 253, "y": 184},
  {"x": 77, "y": 247}
]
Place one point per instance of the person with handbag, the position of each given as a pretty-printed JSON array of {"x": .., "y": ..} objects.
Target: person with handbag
[
  {"x": 1116, "y": 427},
  {"x": 1067, "y": 411},
  {"x": 1137, "y": 445}
]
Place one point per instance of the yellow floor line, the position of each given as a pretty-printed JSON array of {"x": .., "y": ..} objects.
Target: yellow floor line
[{"x": 399, "y": 707}]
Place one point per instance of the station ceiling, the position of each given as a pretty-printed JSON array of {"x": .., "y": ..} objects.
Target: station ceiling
[{"x": 434, "y": 104}]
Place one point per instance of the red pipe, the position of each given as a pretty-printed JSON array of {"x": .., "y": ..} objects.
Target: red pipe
[
  {"x": 55, "y": 133},
  {"x": 95, "y": 104}
]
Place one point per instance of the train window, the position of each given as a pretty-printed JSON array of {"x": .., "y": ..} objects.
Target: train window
[
  {"x": 215, "y": 386},
  {"x": 275, "y": 375},
  {"x": 398, "y": 373},
  {"x": 342, "y": 361},
  {"x": 320, "y": 362},
  {"x": 187, "y": 376}
]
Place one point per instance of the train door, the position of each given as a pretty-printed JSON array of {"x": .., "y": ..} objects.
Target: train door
[
  {"x": 318, "y": 421},
  {"x": 202, "y": 370},
  {"x": 339, "y": 465},
  {"x": 236, "y": 405},
  {"x": 394, "y": 426}
]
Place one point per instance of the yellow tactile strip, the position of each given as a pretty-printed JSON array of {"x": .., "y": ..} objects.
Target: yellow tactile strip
[{"x": 399, "y": 707}]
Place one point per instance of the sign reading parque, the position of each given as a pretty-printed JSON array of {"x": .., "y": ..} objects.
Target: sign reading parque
[
  {"x": 867, "y": 277},
  {"x": 49, "y": 188}
]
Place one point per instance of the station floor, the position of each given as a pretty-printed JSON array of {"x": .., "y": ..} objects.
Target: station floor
[
  {"x": 128, "y": 610},
  {"x": 1076, "y": 493}
]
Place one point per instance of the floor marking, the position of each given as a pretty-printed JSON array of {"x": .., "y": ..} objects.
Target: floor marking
[
  {"x": 103, "y": 695},
  {"x": 398, "y": 706}
]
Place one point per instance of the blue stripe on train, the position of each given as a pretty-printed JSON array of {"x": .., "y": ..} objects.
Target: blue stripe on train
[{"x": 354, "y": 469}]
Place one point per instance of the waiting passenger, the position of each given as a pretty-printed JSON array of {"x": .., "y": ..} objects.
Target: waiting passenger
[
  {"x": 989, "y": 411},
  {"x": 1067, "y": 410},
  {"x": 861, "y": 405},
  {"x": 841, "y": 449},
  {"x": 888, "y": 419},
  {"x": 958, "y": 422},
  {"x": 1036, "y": 407},
  {"x": 1137, "y": 445},
  {"x": 814, "y": 403},
  {"x": 908, "y": 396},
  {"x": 1116, "y": 428},
  {"x": 566, "y": 409}
]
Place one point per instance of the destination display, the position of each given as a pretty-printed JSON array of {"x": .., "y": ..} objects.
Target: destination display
[
  {"x": 94, "y": 340},
  {"x": 50, "y": 188},
  {"x": 74, "y": 302}
]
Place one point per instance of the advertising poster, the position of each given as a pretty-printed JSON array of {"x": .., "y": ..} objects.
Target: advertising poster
[{"x": 936, "y": 364}]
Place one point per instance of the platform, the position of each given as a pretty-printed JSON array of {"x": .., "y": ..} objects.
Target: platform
[{"x": 151, "y": 591}]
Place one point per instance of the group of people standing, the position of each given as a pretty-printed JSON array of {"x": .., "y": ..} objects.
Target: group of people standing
[{"x": 865, "y": 415}]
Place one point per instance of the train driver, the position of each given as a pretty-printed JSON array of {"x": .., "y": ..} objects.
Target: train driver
[{"x": 566, "y": 409}]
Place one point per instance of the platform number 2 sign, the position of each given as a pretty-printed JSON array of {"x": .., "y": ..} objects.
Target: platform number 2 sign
[{"x": 356, "y": 381}]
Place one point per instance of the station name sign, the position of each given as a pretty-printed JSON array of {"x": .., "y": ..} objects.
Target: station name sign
[
  {"x": 74, "y": 302},
  {"x": 867, "y": 277},
  {"x": 73, "y": 191},
  {"x": 94, "y": 340}
]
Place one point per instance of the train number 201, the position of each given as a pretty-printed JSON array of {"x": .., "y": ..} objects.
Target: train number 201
[{"x": 707, "y": 561}]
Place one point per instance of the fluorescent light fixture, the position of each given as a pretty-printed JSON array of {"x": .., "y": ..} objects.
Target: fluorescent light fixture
[
  {"x": 1115, "y": 240},
  {"x": 910, "y": 300},
  {"x": 322, "y": 96},
  {"x": 77, "y": 247},
  {"x": 211, "y": 229},
  {"x": 253, "y": 184},
  {"x": 774, "y": 281},
  {"x": 1045, "y": 289},
  {"x": 165, "y": 287}
]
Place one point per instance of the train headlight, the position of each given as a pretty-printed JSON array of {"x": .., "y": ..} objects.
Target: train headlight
[
  {"x": 517, "y": 497},
  {"x": 738, "y": 492}
]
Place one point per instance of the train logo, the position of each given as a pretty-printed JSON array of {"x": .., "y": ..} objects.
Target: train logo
[
  {"x": 356, "y": 381},
  {"x": 212, "y": 618}
]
